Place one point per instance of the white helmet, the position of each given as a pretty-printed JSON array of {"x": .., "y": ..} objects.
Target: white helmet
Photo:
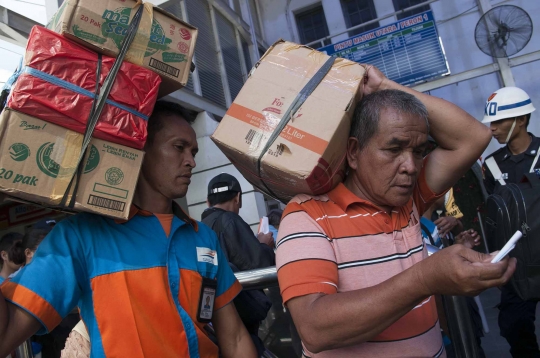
[{"x": 507, "y": 102}]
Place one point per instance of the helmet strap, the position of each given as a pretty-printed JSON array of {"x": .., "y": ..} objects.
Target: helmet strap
[{"x": 511, "y": 131}]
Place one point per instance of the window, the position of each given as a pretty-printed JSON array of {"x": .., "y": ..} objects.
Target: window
[
  {"x": 312, "y": 25},
  {"x": 357, "y": 12},
  {"x": 237, "y": 7},
  {"x": 403, "y": 4},
  {"x": 206, "y": 52},
  {"x": 231, "y": 56},
  {"x": 255, "y": 16},
  {"x": 247, "y": 55}
]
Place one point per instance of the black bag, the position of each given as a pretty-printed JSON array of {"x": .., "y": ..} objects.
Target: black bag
[
  {"x": 517, "y": 207},
  {"x": 252, "y": 305}
]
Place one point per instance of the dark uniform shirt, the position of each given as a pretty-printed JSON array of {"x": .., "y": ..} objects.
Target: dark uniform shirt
[{"x": 513, "y": 167}]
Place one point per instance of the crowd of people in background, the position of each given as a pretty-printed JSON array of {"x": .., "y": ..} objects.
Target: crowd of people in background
[{"x": 352, "y": 266}]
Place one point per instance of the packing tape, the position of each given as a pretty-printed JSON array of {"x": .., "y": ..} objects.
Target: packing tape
[
  {"x": 66, "y": 152},
  {"x": 141, "y": 41}
]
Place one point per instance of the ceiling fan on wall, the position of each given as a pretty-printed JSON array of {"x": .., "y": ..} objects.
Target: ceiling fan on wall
[{"x": 503, "y": 31}]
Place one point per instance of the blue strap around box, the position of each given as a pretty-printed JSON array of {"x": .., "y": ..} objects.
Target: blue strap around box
[{"x": 70, "y": 86}]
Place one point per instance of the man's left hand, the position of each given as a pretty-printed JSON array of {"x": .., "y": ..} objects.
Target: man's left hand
[{"x": 445, "y": 224}]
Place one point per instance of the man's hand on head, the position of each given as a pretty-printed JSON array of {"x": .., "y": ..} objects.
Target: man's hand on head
[{"x": 373, "y": 80}]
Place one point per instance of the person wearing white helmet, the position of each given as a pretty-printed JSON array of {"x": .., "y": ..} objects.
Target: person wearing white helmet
[{"x": 508, "y": 112}]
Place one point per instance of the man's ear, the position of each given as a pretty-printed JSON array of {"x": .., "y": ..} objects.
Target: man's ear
[
  {"x": 522, "y": 121},
  {"x": 352, "y": 152},
  {"x": 4, "y": 255},
  {"x": 237, "y": 198}
]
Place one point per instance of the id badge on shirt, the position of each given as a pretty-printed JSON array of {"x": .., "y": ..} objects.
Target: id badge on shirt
[{"x": 206, "y": 300}]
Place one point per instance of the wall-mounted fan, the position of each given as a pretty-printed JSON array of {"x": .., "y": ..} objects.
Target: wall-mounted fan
[{"x": 503, "y": 31}]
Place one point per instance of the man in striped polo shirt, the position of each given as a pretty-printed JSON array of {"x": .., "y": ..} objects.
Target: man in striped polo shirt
[{"x": 352, "y": 267}]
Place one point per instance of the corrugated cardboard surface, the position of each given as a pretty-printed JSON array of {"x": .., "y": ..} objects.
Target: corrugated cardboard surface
[
  {"x": 164, "y": 43},
  {"x": 309, "y": 155},
  {"x": 38, "y": 160}
]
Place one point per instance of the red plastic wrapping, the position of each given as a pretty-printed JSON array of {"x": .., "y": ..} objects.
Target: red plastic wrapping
[{"x": 135, "y": 87}]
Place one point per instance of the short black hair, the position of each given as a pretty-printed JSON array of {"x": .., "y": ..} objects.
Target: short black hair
[
  {"x": 274, "y": 217},
  {"x": 528, "y": 120},
  {"x": 220, "y": 198},
  {"x": 365, "y": 121},
  {"x": 31, "y": 241},
  {"x": 8, "y": 244},
  {"x": 163, "y": 109}
]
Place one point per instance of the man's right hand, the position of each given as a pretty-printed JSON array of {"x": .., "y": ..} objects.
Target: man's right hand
[
  {"x": 458, "y": 270},
  {"x": 267, "y": 239}
]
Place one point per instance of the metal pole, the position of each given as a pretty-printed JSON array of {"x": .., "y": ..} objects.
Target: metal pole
[
  {"x": 258, "y": 279},
  {"x": 483, "y": 232},
  {"x": 459, "y": 322},
  {"x": 25, "y": 350}
]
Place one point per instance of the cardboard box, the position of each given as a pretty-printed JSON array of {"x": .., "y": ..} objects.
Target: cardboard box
[
  {"x": 308, "y": 157},
  {"x": 164, "y": 43},
  {"x": 38, "y": 160}
]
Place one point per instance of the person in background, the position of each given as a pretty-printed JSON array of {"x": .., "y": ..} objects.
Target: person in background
[
  {"x": 508, "y": 113},
  {"x": 8, "y": 244},
  {"x": 274, "y": 218},
  {"x": 243, "y": 249}
]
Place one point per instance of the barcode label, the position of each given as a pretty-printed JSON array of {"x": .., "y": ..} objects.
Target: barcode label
[
  {"x": 158, "y": 65},
  {"x": 253, "y": 138},
  {"x": 106, "y": 203}
]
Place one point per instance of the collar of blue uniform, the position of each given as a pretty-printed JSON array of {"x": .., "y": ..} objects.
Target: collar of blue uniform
[
  {"x": 531, "y": 150},
  {"x": 177, "y": 211}
]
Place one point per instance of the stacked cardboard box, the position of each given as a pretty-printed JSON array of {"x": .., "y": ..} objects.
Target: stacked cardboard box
[
  {"x": 307, "y": 156},
  {"x": 39, "y": 159},
  {"x": 164, "y": 43},
  {"x": 42, "y": 129}
]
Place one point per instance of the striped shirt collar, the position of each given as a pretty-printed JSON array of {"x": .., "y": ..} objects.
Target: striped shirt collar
[{"x": 343, "y": 197}]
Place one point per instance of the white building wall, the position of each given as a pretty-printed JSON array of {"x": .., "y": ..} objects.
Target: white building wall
[
  {"x": 456, "y": 22},
  {"x": 11, "y": 55}
]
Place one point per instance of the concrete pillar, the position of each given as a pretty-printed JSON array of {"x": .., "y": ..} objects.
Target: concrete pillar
[
  {"x": 384, "y": 7},
  {"x": 335, "y": 19},
  {"x": 211, "y": 162}
]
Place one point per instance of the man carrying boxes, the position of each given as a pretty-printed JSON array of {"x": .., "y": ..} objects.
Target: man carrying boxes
[
  {"x": 141, "y": 284},
  {"x": 352, "y": 267},
  {"x": 143, "y": 275}
]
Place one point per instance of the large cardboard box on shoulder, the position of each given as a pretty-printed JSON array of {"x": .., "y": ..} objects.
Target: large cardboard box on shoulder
[
  {"x": 38, "y": 160},
  {"x": 164, "y": 43},
  {"x": 308, "y": 156}
]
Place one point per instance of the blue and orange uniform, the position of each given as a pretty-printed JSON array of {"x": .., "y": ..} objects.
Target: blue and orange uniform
[{"x": 137, "y": 286}]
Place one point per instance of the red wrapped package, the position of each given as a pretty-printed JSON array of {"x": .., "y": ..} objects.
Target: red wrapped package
[{"x": 58, "y": 85}]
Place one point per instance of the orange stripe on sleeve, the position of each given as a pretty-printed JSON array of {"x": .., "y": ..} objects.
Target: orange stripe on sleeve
[
  {"x": 33, "y": 303},
  {"x": 305, "y": 277},
  {"x": 423, "y": 196},
  {"x": 226, "y": 297}
]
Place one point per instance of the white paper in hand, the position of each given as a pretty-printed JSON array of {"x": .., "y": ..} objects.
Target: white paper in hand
[{"x": 264, "y": 226}]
